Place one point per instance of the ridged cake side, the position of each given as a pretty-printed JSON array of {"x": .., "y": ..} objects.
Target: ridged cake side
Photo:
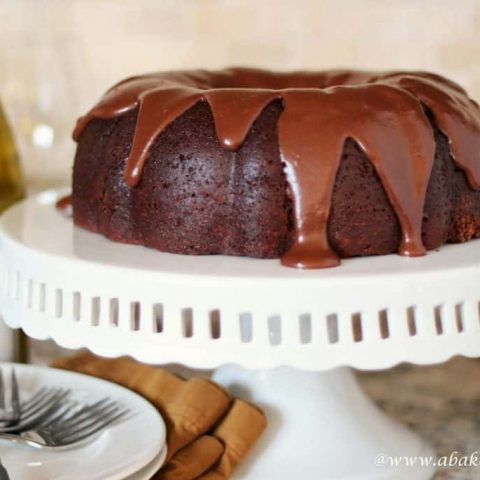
[{"x": 196, "y": 197}]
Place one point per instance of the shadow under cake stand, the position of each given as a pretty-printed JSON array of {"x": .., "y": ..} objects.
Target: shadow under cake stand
[{"x": 283, "y": 338}]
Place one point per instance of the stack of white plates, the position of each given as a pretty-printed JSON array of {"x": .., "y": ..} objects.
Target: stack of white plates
[{"x": 133, "y": 449}]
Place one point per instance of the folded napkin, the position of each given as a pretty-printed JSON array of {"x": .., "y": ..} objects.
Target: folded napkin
[{"x": 208, "y": 432}]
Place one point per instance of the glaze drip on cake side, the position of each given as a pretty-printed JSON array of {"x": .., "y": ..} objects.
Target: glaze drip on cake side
[{"x": 383, "y": 113}]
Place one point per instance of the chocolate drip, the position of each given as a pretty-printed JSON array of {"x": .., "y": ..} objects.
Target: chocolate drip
[
  {"x": 457, "y": 116},
  {"x": 380, "y": 123},
  {"x": 158, "y": 108},
  {"x": 64, "y": 204},
  {"x": 234, "y": 114},
  {"x": 383, "y": 113}
]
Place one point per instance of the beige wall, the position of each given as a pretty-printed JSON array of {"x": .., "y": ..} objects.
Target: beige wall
[{"x": 58, "y": 56}]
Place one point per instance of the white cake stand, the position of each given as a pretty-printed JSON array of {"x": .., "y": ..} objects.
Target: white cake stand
[{"x": 299, "y": 329}]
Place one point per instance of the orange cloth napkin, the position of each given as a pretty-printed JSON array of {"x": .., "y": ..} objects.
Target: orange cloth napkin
[{"x": 208, "y": 432}]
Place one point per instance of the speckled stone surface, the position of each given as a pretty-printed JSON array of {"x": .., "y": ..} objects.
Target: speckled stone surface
[{"x": 441, "y": 403}]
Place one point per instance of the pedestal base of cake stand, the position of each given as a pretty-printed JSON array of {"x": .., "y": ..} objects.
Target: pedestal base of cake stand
[{"x": 322, "y": 426}]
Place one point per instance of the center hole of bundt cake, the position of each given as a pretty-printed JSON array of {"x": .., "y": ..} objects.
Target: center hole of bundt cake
[{"x": 259, "y": 79}]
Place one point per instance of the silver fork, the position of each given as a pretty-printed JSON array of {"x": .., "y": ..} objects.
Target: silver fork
[
  {"x": 11, "y": 414},
  {"x": 69, "y": 427},
  {"x": 17, "y": 415},
  {"x": 39, "y": 407}
]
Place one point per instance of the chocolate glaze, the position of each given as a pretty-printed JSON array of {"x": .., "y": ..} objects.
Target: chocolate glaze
[
  {"x": 383, "y": 113},
  {"x": 64, "y": 204}
]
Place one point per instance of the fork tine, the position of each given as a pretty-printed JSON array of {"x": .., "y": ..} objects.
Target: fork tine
[
  {"x": 91, "y": 417},
  {"x": 45, "y": 410},
  {"x": 62, "y": 412},
  {"x": 47, "y": 400},
  {"x": 15, "y": 396},
  {"x": 87, "y": 408},
  {"x": 25, "y": 408},
  {"x": 82, "y": 414},
  {"x": 35, "y": 398},
  {"x": 51, "y": 409},
  {"x": 76, "y": 429},
  {"x": 2, "y": 391},
  {"x": 35, "y": 403},
  {"x": 30, "y": 398},
  {"x": 96, "y": 428}
]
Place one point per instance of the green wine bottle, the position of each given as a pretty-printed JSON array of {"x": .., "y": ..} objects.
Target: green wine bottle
[
  {"x": 12, "y": 186},
  {"x": 12, "y": 189}
]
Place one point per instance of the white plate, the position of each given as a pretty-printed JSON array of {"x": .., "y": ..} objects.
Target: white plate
[
  {"x": 120, "y": 451},
  {"x": 151, "y": 469}
]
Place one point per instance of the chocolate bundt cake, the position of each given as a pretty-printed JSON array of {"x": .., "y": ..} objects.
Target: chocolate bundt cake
[{"x": 309, "y": 167}]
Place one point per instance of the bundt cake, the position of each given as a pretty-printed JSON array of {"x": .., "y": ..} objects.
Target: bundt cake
[{"x": 306, "y": 167}]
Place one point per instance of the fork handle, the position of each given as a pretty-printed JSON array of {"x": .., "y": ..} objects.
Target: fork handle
[{"x": 20, "y": 440}]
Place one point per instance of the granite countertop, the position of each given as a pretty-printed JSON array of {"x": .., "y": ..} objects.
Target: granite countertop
[{"x": 440, "y": 402}]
